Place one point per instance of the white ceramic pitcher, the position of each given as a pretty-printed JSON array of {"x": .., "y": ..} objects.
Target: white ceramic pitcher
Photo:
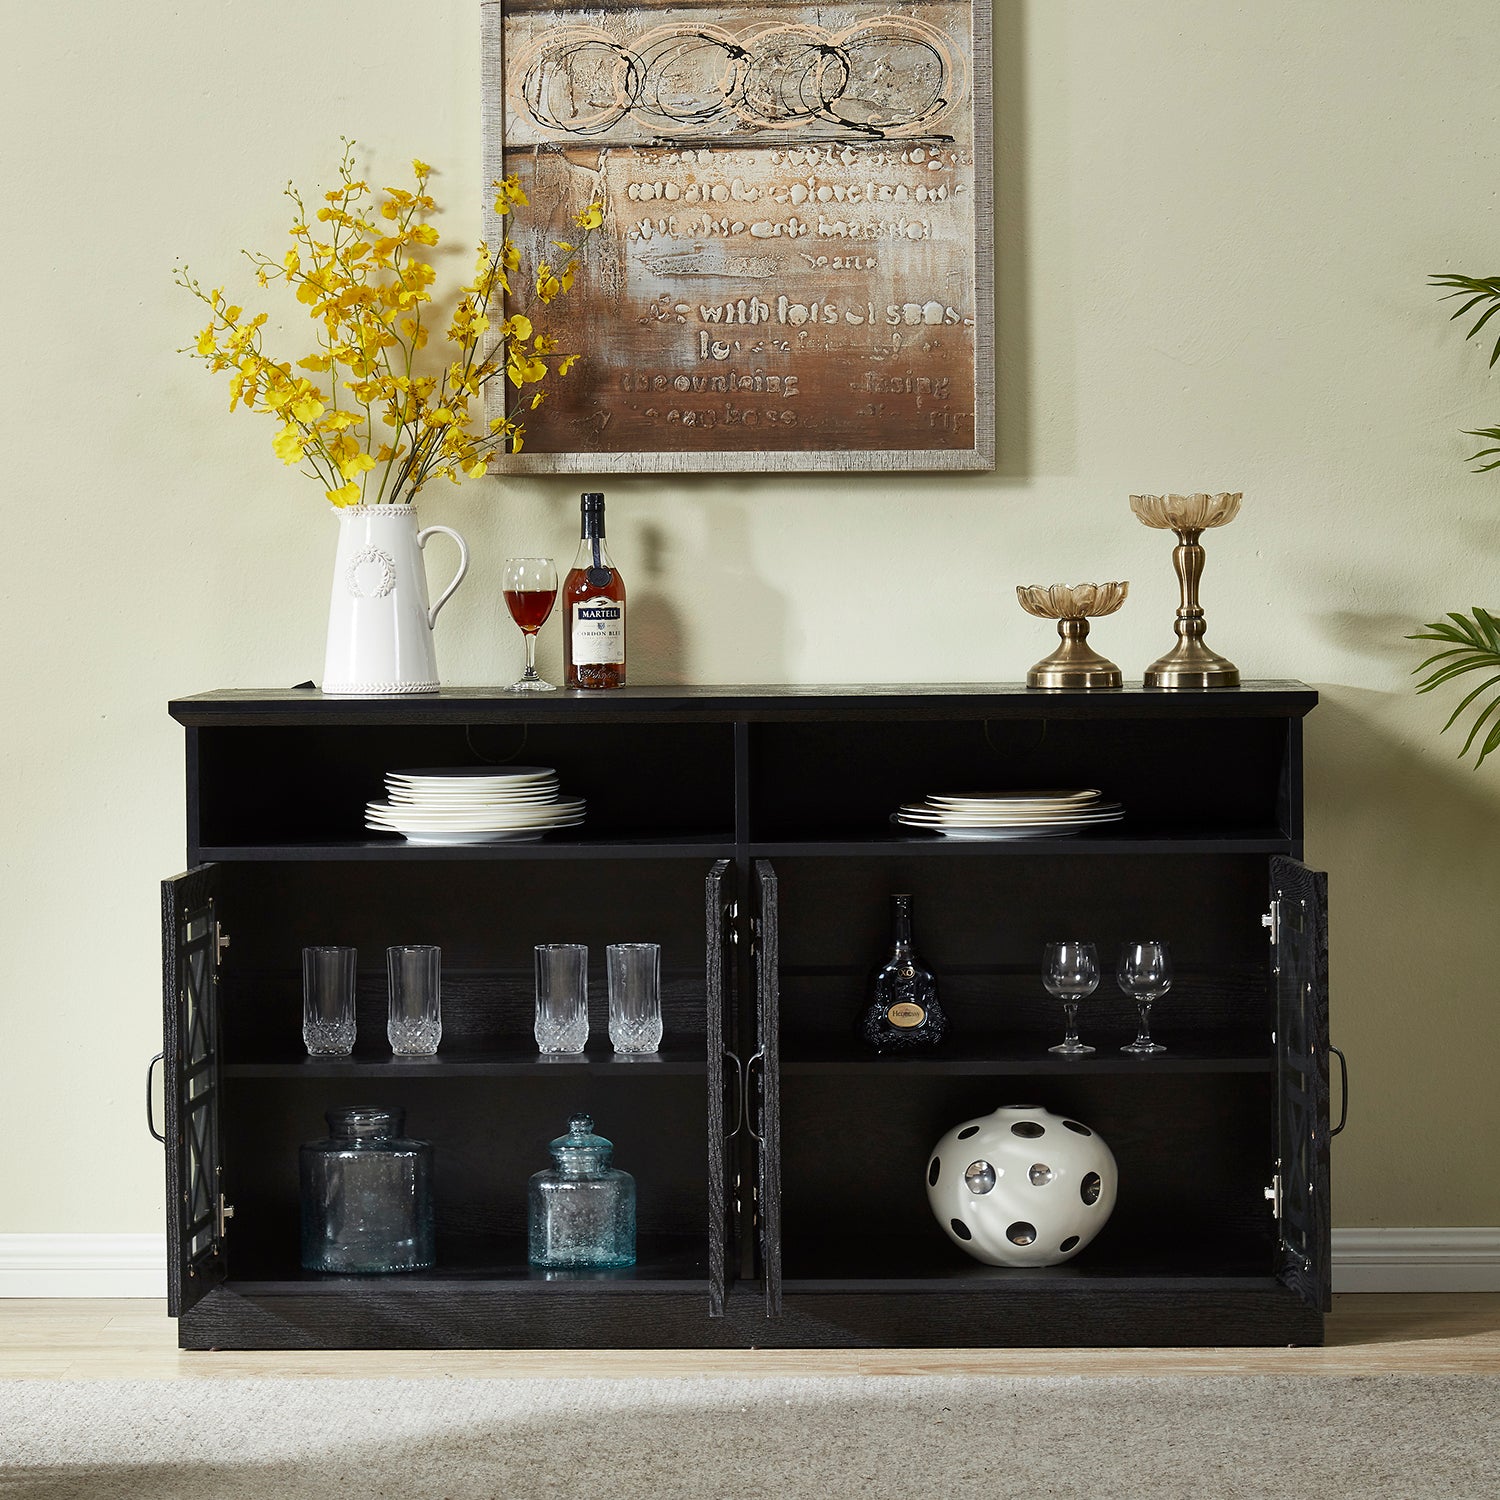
[{"x": 379, "y": 622}]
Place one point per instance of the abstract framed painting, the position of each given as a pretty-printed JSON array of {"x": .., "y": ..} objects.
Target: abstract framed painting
[{"x": 795, "y": 270}]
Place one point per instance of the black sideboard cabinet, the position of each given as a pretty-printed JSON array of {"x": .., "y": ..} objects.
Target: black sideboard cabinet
[{"x": 780, "y": 1166}]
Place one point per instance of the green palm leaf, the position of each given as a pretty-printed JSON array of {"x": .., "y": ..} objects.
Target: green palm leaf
[
  {"x": 1478, "y": 290},
  {"x": 1474, "y": 646}
]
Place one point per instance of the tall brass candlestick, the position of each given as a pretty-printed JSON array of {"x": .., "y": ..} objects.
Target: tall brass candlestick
[{"x": 1189, "y": 664}]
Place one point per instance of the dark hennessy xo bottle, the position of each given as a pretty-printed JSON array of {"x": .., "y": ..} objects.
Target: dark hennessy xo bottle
[
  {"x": 904, "y": 1014},
  {"x": 593, "y": 609}
]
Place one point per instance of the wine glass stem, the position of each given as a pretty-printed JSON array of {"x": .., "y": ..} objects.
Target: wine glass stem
[
  {"x": 1144, "y": 1009},
  {"x": 1070, "y": 1010},
  {"x": 530, "y": 652}
]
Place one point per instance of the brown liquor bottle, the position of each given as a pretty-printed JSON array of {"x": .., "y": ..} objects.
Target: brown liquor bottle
[{"x": 593, "y": 609}]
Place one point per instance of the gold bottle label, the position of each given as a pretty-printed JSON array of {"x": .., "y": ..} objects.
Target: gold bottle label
[{"x": 905, "y": 1014}]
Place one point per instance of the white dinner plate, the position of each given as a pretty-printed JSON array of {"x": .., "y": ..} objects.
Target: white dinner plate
[
  {"x": 1009, "y": 831},
  {"x": 522, "y": 836},
  {"x": 398, "y": 793},
  {"x": 1059, "y": 815},
  {"x": 489, "y": 818},
  {"x": 1010, "y": 799},
  {"x": 473, "y": 773},
  {"x": 465, "y": 774},
  {"x": 406, "y": 827},
  {"x": 1019, "y": 830},
  {"x": 570, "y": 804}
]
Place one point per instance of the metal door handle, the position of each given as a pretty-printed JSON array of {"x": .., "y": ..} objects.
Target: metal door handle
[
  {"x": 739, "y": 1095},
  {"x": 1343, "y": 1092},
  {"x": 150, "y": 1115},
  {"x": 759, "y": 1057}
]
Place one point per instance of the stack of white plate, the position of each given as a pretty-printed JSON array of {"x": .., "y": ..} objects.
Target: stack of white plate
[
  {"x": 1009, "y": 815},
  {"x": 485, "y": 806}
]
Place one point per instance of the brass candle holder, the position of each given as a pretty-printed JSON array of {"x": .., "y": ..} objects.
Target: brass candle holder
[
  {"x": 1189, "y": 664},
  {"x": 1075, "y": 664}
]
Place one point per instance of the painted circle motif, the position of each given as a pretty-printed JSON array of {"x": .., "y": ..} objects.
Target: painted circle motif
[
  {"x": 794, "y": 74},
  {"x": 903, "y": 75},
  {"x": 580, "y": 81},
  {"x": 890, "y": 75},
  {"x": 688, "y": 76},
  {"x": 358, "y": 574}
]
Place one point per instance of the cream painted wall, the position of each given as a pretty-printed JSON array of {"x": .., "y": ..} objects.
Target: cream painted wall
[{"x": 1214, "y": 224}]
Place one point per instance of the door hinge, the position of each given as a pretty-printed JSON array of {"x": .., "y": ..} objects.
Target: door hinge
[
  {"x": 221, "y": 942},
  {"x": 1271, "y": 921},
  {"x": 732, "y": 921}
]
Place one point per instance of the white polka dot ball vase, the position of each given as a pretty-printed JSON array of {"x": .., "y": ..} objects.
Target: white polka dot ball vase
[{"x": 1022, "y": 1187}]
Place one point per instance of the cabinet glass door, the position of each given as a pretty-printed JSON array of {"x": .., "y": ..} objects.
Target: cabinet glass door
[
  {"x": 190, "y": 1009},
  {"x": 726, "y": 1084},
  {"x": 763, "y": 1084},
  {"x": 1299, "y": 932}
]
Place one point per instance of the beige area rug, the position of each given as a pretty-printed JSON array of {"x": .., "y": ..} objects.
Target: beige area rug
[{"x": 1299, "y": 1437}]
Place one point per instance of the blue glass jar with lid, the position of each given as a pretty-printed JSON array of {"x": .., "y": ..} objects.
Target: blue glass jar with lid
[
  {"x": 581, "y": 1213},
  {"x": 366, "y": 1195}
]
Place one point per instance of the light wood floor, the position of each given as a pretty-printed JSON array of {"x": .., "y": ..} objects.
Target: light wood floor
[{"x": 1367, "y": 1335}]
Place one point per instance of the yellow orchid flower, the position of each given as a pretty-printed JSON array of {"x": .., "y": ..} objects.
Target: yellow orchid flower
[
  {"x": 364, "y": 289},
  {"x": 289, "y": 444}
]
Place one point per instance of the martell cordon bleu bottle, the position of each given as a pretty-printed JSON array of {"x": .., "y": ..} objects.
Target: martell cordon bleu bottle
[
  {"x": 904, "y": 1014},
  {"x": 593, "y": 608}
]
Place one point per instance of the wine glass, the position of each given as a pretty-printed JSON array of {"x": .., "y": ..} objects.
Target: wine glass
[
  {"x": 1070, "y": 972},
  {"x": 530, "y": 586},
  {"x": 1144, "y": 973}
]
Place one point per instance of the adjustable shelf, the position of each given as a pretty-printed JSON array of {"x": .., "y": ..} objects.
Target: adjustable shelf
[
  {"x": 1029, "y": 1058},
  {"x": 706, "y": 846},
  {"x": 1126, "y": 841},
  {"x": 495, "y": 1264},
  {"x": 456, "y": 1062}
]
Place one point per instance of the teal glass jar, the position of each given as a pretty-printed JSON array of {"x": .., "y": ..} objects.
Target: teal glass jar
[
  {"x": 366, "y": 1196},
  {"x": 581, "y": 1213}
]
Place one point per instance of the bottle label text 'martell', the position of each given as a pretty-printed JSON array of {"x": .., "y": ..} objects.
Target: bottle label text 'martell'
[{"x": 598, "y": 632}]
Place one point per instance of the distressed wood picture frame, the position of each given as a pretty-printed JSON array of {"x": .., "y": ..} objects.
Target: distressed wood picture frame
[{"x": 796, "y": 266}]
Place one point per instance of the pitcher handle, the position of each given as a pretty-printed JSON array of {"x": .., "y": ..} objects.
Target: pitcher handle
[{"x": 458, "y": 577}]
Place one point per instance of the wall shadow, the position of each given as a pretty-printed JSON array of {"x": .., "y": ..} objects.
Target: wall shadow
[
  {"x": 1408, "y": 836},
  {"x": 1012, "y": 373}
]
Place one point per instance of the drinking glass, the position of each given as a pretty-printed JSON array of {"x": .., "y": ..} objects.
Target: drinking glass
[
  {"x": 1070, "y": 972},
  {"x": 562, "y": 997},
  {"x": 328, "y": 1000},
  {"x": 530, "y": 587},
  {"x": 634, "y": 996},
  {"x": 414, "y": 1023},
  {"x": 1144, "y": 973}
]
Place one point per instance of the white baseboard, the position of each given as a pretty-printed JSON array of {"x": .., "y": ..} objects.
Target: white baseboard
[
  {"x": 83, "y": 1265},
  {"x": 1416, "y": 1260},
  {"x": 1364, "y": 1260}
]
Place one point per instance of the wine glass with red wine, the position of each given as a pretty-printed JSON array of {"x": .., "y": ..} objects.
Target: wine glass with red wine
[{"x": 530, "y": 592}]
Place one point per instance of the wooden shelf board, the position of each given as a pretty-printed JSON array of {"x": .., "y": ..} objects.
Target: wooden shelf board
[
  {"x": 1017, "y": 1057},
  {"x": 693, "y": 846},
  {"x": 1262, "y": 841},
  {"x": 477, "y": 1063},
  {"x": 497, "y": 1265},
  {"x": 933, "y": 1264}
]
